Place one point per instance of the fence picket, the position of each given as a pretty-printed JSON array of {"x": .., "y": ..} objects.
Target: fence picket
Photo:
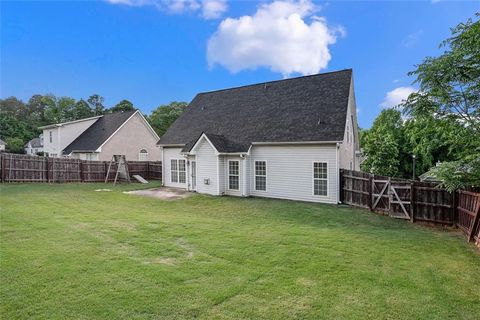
[
  {"x": 26, "y": 168},
  {"x": 427, "y": 202}
]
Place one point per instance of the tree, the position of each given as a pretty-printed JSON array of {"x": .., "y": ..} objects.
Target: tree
[
  {"x": 96, "y": 104},
  {"x": 81, "y": 110},
  {"x": 10, "y": 127},
  {"x": 163, "y": 116},
  {"x": 384, "y": 145},
  {"x": 384, "y": 161},
  {"x": 123, "y": 105},
  {"x": 458, "y": 174},
  {"x": 446, "y": 110},
  {"x": 14, "y": 145},
  {"x": 450, "y": 84}
]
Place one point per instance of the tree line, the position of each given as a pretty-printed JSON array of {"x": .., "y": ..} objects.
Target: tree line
[
  {"x": 438, "y": 127},
  {"x": 19, "y": 121}
]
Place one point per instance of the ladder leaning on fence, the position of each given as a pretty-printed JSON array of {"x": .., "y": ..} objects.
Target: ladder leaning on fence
[{"x": 121, "y": 168}]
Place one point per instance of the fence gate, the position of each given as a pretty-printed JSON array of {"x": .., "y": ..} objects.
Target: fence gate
[
  {"x": 380, "y": 197},
  {"x": 391, "y": 197}
]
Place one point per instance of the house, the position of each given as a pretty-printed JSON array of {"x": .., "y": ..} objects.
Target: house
[
  {"x": 34, "y": 146},
  {"x": 282, "y": 139},
  {"x": 100, "y": 137},
  {"x": 2, "y": 145}
]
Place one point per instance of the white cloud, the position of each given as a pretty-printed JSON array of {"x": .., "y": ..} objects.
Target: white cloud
[
  {"x": 210, "y": 9},
  {"x": 213, "y": 9},
  {"x": 396, "y": 96},
  {"x": 277, "y": 36}
]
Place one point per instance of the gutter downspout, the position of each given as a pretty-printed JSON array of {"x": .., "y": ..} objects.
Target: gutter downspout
[
  {"x": 338, "y": 173},
  {"x": 163, "y": 166}
]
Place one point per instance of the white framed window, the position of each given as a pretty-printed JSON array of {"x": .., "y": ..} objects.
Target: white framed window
[
  {"x": 261, "y": 175},
  {"x": 51, "y": 136},
  {"x": 320, "y": 178},
  {"x": 233, "y": 175},
  {"x": 143, "y": 155},
  {"x": 177, "y": 171},
  {"x": 182, "y": 173},
  {"x": 348, "y": 133}
]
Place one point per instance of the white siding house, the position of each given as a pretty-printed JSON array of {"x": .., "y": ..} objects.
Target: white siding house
[
  {"x": 285, "y": 139},
  {"x": 34, "y": 146},
  {"x": 99, "y": 138},
  {"x": 57, "y": 137}
]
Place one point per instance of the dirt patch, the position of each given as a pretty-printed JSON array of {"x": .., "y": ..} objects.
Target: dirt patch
[{"x": 164, "y": 193}]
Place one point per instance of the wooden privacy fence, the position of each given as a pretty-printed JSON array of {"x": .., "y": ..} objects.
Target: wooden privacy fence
[
  {"x": 25, "y": 168},
  {"x": 412, "y": 200}
]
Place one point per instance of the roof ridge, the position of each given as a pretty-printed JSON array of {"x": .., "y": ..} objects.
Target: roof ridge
[{"x": 274, "y": 81}]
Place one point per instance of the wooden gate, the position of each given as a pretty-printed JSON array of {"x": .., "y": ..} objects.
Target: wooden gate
[{"x": 392, "y": 197}]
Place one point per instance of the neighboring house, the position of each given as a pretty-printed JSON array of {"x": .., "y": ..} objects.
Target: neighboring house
[
  {"x": 99, "y": 138},
  {"x": 281, "y": 139},
  {"x": 34, "y": 146},
  {"x": 2, "y": 145}
]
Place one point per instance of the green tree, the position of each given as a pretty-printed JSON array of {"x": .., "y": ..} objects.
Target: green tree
[
  {"x": 445, "y": 112},
  {"x": 450, "y": 84},
  {"x": 81, "y": 110},
  {"x": 384, "y": 145},
  {"x": 14, "y": 145},
  {"x": 163, "y": 116},
  {"x": 96, "y": 104},
  {"x": 384, "y": 160},
  {"x": 123, "y": 105}
]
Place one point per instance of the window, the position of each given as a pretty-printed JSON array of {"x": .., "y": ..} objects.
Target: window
[
  {"x": 261, "y": 175},
  {"x": 233, "y": 175},
  {"x": 348, "y": 133},
  {"x": 51, "y": 135},
  {"x": 320, "y": 180},
  {"x": 143, "y": 155},
  {"x": 182, "y": 175},
  {"x": 177, "y": 171}
]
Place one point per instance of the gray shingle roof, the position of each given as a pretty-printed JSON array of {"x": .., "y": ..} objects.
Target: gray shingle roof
[
  {"x": 36, "y": 143},
  {"x": 98, "y": 132},
  {"x": 2, "y": 142},
  {"x": 310, "y": 108}
]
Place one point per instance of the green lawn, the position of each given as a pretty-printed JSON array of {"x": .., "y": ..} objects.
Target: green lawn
[{"x": 70, "y": 252}]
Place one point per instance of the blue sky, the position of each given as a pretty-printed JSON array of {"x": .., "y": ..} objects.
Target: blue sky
[{"x": 152, "y": 52}]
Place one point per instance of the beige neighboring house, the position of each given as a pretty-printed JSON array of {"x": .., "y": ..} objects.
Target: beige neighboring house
[
  {"x": 2, "y": 145},
  {"x": 99, "y": 138}
]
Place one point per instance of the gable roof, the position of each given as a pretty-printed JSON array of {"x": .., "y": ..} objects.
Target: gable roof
[
  {"x": 219, "y": 142},
  {"x": 55, "y": 125},
  {"x": 95, "y": 135},
  {"x": 2, "y": 142},
  {"x": 303, "y": 109},
  {"x": 35, "y": 143}
]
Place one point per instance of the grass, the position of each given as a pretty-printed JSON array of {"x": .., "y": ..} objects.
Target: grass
[{"x": 70, "y": 252}]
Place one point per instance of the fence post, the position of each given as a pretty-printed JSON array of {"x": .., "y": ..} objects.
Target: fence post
[
  {"x": 80, "y": 167},
  {"x": 105, "y": 170},
  {"x": 1, "y": 167},
  {"x": 454, "y": 208},
  {"x": 370, "y": 191},
  {"x": 412, "y": 201},
  {"x": 475, "y": 219},
  {"x": 47, "y": 170}
]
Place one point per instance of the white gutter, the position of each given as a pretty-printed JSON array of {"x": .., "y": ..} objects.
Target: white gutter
[{"x": 296, "y": 142}]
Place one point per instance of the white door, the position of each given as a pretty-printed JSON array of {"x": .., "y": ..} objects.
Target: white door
[{"x": 194, "y": 175}]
